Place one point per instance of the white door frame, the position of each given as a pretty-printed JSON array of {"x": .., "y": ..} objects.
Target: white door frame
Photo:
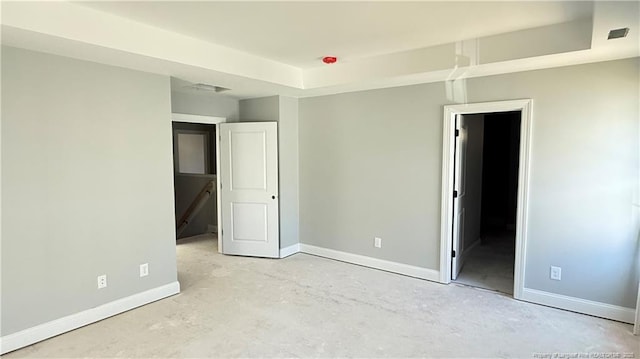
[
  {"x": 636, "y": 327},
  {"x": 207, "y": 120},
  {"x": 448, "y": 151}
]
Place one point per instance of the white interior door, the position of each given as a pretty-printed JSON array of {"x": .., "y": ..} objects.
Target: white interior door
[
  {"x": 249, "y": 189},
  {"x": 459, "y": 201}
]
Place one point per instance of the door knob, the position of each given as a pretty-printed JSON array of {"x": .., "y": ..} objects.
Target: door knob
[{"x": 273, "y": 197}]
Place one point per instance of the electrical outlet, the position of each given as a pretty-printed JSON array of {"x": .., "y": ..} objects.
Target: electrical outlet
[
  {"x": 102, "y": 281},
  {"x": 556, "y": 273},
  {"x": 377, "y": 242},
  {"x": 144, "y": 269}
]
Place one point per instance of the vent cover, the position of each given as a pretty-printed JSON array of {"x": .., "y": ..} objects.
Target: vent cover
[
  {"x": 207, "y": 87},
  {"x": 618, "y": 33}
]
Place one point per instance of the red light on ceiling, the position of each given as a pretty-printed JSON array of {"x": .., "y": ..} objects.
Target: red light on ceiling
[{"x": 329, "y": 59}]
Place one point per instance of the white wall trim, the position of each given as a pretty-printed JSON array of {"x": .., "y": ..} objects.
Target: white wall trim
[
  {"x": 636, "y": 327},
  {"x": 291, "y": 250},
  {"x": 50, "y": 329},
  {"x": 448, "y": 143},
  {"x": 405, "y": 269},
  {"x": 218, "y": 190},
  {"x": 584, "y": 306},
  {"x": 206, "y": 120}
]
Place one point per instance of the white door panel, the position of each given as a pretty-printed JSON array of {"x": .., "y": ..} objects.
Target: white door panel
[
  {"x": 248, "y": 165},
  {"x": 249, "y": 189},
  {"x": 459, "y": 203}
]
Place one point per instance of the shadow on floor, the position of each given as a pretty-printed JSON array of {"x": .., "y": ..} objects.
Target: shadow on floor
[{"x": 489, "y": 265}]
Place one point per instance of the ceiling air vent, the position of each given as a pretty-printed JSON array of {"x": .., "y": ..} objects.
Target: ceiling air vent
[
  {"x": 618, "y": 33},
  {"x": 207, "y": 87}
]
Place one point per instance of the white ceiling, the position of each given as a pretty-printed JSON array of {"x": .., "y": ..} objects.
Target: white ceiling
[
  {"x": 268, "y": 48},
  {"x": 300, "y": 33}
]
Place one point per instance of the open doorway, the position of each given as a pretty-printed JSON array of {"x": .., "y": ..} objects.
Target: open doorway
[
  {"x": 226, "y": 182},
  {"x": 194, "y": 158},
  {"x": 487, "y": 181},
  {"x": 196, "y": 168},
  {"x": 462, "y": 223}
]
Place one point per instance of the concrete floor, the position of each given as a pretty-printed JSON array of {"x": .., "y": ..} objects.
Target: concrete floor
[
  {"x": 489, "y": 265},
  {"x": 306, "y": 306}
]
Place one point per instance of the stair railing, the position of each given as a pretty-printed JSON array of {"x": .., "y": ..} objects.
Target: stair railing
[{"x": 195, "y": 207}]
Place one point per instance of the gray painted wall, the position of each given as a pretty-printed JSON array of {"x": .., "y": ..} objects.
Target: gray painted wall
[
  {"x": 205, "y": 104},
  {"x": 87, "y": 185},
  {"x": 475, "y": 142},
  {"x": 370, "y": 165},
  {"x": 284, "y": 110},
  {"x": 288, "y": 163},
  {"x": 260, "y": 109}
]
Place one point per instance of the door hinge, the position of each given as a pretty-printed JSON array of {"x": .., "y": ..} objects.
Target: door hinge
[
  {"x": 457, "y": 132},
  {"x": 453, "y": 254},
  {"x": 455, "y": 194}
]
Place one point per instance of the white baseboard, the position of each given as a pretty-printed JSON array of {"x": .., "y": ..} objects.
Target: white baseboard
[
  {"x": 50, "y": 329},
  {"x": 405, "y": 269},
  {"x": 598, "y": 309},
  {"x": 287, "y": 251}
]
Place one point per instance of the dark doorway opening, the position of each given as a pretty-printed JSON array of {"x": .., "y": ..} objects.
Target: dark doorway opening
[
  {"x": 489, "y": 255},
  {"x": 194, "y": 154}
]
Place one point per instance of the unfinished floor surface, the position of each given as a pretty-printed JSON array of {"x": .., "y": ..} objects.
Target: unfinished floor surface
[{"x": 306, "y": 306}]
